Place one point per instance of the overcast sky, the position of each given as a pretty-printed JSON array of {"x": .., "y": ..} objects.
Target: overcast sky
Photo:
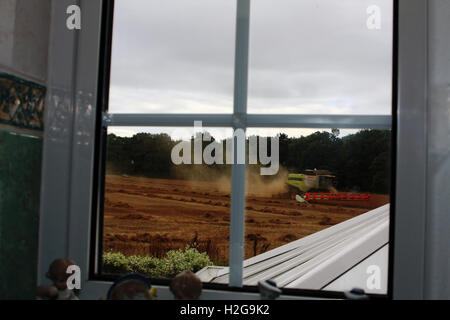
[{"x": 306, "y": 56}]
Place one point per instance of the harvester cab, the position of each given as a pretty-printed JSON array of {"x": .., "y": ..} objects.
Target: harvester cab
[{"x": 310, "y": 181}]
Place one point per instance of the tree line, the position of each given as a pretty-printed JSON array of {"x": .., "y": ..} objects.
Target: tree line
[{"x": 360, "y": 161}]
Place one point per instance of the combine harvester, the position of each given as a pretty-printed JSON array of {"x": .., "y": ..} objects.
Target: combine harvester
[{"x": 318, "y": 185}]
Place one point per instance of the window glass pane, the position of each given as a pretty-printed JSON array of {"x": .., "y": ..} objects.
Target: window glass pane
[
  {"x": 172, "y": 56},
  {"x": 322, "y": 219},
  {"x": 320, "y": 57},
  {"x": 153, "y": 206}
]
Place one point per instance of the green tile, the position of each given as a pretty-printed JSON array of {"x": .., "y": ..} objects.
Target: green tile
[{"x": 20, "y": 179}]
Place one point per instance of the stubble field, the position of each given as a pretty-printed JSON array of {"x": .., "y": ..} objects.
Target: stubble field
[{"x": 146, "y": 216}]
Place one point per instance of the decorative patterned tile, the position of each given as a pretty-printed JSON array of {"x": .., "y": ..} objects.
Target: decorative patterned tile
[{"x": 21, "y": 102}]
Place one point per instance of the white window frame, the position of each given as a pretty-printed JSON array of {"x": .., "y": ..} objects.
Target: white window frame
[
  {"x": 240, "y": 119},
  {"x": 69, "y": 146}
]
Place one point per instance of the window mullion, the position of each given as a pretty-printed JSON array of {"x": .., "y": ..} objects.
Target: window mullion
[
  {"x": 237, "y": 208},
  {"x": 166, "y": 120},
  {"x": 317, "y": 121}
]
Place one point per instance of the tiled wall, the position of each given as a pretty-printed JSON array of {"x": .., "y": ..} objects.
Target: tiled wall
[
  {"x": 23, "y": 74},
  {"x": 21, "y": 125},
  {"x": 20, "y": 178},
  {"x": 24, "y": 37}
]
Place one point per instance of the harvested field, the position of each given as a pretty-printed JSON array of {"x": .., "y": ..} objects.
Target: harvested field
[{"x": 152, "y": 216}]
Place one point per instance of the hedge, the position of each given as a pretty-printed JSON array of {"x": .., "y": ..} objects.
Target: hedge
[{"x": 173, "y": 263}]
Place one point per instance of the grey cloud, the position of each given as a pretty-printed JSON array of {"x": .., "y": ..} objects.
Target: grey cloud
[{"x": 301, "y": 53}]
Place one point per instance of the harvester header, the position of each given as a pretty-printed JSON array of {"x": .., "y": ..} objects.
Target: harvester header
[{"x": 336, "y": 196}]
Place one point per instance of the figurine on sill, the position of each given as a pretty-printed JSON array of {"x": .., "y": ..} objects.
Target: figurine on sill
[
  {"x": 57, "y": 273},
  {"x": 132, "y": 286},
  {"x": 186, "y": 286}
]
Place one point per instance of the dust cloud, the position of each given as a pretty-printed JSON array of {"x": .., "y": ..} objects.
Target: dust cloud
[{"x": 256, "y": 184}]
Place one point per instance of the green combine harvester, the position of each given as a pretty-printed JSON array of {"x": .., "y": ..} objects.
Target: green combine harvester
[{"x": 310, "y": 181}]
